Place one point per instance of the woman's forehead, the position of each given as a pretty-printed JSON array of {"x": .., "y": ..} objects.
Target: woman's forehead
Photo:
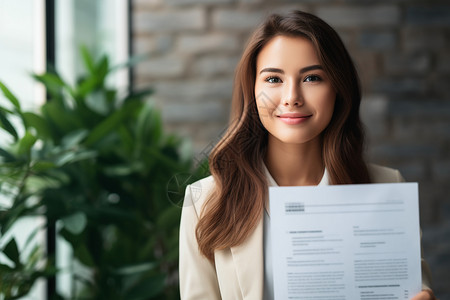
[{"x": 285, "y": 52}]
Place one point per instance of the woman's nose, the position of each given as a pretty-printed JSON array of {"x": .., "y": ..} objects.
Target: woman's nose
[{"x": 292, "y": 95}]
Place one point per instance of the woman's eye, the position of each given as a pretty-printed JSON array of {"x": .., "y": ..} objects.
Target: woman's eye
[
  {"x": 273, "y": 80},
  {"x": 311, "y": 78}
]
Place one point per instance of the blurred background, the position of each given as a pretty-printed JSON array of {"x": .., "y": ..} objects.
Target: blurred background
[{"x": 401, "y": 50}]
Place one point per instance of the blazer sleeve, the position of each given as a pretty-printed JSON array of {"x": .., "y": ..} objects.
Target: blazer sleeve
[
  {"x": 198, "y": 279},
  {"x": 426, "y": 272}
]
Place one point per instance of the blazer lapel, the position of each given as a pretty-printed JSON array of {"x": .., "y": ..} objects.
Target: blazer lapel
[
  {"x": 249, "y": 264},
  {"x": 248, "y": 257}
]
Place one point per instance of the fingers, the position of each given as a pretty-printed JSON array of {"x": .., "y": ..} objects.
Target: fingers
[{"x": 424, "y": 295}]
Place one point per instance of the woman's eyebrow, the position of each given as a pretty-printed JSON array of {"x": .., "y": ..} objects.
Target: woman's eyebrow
[
  {"x": 310, "y": 68},
  {"x": 302, "y": 70},
  {"x": 271, "y": 70}
]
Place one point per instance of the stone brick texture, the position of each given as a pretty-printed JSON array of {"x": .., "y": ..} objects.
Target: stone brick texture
[{"x": 401, "y": 49}]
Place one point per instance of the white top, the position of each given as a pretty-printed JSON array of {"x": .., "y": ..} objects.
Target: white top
[{"x": 268, "y": 274}]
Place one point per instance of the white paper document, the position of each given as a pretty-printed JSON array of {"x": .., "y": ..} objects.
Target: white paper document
[{"x": 345, "y": 241}]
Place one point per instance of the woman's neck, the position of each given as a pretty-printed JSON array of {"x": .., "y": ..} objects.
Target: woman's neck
[{"x": 294, "y": 164}]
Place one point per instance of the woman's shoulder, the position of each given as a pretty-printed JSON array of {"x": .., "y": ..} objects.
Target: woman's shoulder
[
  {"x": 204, "y": 185},
  {"x": 198, "y": 192},
  {"x": 381, "y": 174}
]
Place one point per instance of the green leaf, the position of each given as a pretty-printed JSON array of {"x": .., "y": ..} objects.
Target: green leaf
[
  {"x": 11, "y": 217},
  {"x": 50, "y": 79},
  {"x": 60, "y": 119},
  {"x": 74, "y": 138},
  {"x": 149, "y": 125},
  {"x": 53, "y": 83},
  {"x": 110, "y": 95},
  {"x": 107, "y": 214},
  {"x": 40, "y": 166},
  {"x": 5, "y": 269},
  {"x": 30, "y": 238},
  {"x": 6, "y": 111},
  {"x": 110, "y": 123},
  {"x": 127, "y": 139},
  {"x": 54, "y": 79},
  {"x": 138, "y": 94},
  {"x": 37, "y": 122},
  {"x": 26, "y": 143},
  {"x": 87, "y": 86},
  {"x": 12, "y": 252},
  {"x": 169, "y": 218},
  {"x": 10, "y": 96},
  {"x": 87, "y": 59},
  {"x": 148, "y": 288},
  {"x": 173, "y": 253},
  {"x": 8, "y": 157},
  {"x": 39, "y": 183},
  {"x": 75, "y": 223},
  {"x": 102, "y": 67},
  {"x": 71, "y": 157},
  {"x": 162, "y": 158},
  {"x": 134, "y": 60},
  {"x": 5, "y": 124},
  {"x": 122, "y": 170},
  {"x": 34, "y": 257},
  {"x": 82, "y": 253},
  {"x": 98, "y": 103},
  {"x": 135, "y": 269}
]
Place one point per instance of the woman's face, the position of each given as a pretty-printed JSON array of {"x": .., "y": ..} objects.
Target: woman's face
[{"x": 294, "y": 96}]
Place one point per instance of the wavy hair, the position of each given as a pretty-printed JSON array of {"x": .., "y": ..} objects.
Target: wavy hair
[{"x": 235, "y": 206}]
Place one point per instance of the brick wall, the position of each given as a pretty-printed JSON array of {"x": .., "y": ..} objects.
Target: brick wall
[{"x": 401, "y": 49}]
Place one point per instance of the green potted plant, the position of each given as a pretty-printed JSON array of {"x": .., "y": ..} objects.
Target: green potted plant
[{"x": 99, "y": 168}]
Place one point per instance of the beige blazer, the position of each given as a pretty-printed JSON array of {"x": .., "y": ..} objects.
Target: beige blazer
[{"x": 238, "y": 272}]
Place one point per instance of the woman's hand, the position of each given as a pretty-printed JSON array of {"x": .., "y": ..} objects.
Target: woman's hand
[{"x": 424, "y": 295}]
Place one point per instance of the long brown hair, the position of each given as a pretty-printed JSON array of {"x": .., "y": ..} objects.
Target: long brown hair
[{"x": 236, "y": 204}]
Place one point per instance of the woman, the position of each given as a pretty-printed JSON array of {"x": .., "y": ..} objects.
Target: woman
[{"x": 295, "y": 121}]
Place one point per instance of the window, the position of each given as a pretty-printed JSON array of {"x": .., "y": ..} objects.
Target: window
[
  {"x": 22, "y": 52},
  {"x": 102, "y": 26}
]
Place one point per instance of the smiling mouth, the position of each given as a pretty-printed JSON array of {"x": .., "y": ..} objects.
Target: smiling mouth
[{"x": 293, "y": 119}]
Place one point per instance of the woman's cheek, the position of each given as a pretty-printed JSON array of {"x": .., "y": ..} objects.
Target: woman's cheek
[{"x": 266, "y": 102}]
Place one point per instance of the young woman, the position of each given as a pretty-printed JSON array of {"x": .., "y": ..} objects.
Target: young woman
[{"x": 295, "y": 121}]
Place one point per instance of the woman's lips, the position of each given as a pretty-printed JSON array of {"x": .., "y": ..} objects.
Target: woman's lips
[{"x": 293, "y": 118}]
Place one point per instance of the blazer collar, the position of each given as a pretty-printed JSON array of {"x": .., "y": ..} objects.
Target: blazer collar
[{"x": 248, "y": 257}]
